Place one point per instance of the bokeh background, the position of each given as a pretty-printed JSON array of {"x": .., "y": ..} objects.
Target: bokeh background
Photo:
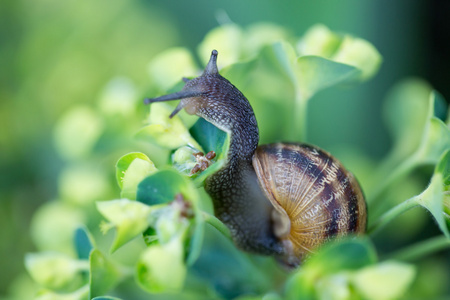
[{"x": 60, "y": 62}]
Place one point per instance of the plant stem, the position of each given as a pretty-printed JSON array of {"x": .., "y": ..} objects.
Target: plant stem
[
  {"x": 422, "y": 249},
  {"x": 393, "y": 213},
  {"x": 376, "y": 201},
  {"x": 216, "y": 223},
  {"x": 392, "y": 178}
]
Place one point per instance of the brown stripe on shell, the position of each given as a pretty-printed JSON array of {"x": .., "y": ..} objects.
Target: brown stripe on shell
[
  {"x": 334, "y": 209},
  {"x": 312, "y": 189},
  {"x": 357, "y": 209}
]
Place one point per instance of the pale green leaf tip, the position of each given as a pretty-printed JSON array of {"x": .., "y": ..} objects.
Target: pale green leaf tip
[
  {"x": 115, "y": 246},
  {"x": 386, "y": 280},
  {"x": 105, "y": 227}
]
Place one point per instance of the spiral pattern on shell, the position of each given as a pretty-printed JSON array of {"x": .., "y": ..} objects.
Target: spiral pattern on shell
[{"x": 314, "y": 196}]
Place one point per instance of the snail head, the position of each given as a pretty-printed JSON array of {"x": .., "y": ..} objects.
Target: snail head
[{"x": 195, "y": 91}]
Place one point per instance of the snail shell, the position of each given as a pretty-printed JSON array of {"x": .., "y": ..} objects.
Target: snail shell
[{"x": 314, "y": 196}]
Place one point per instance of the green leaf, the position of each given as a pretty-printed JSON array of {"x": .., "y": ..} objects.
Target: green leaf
[
  {"x": 150, "y": 236},
  {"x": 130, "y": 218},
  {"x": 279, "y": 58},
  {"x": 161, "y": 267},
  {"x": 163, "y": 187},
  {"x": 334, "y": 287},
  {"x": 166, "y": 132},
  {"x": 131, "y": 169},
  {"x": 360, "y": 54},
  {"x": 418, "y": 145},
  {"x": 124, "y": 162},
  {"x": 443, "y": 168},
  {"x": 268, "y": 83},
  {"x": 198, "y": 230},
  {"x": 435, "y": 198},
  {"x": 84, "y": 242},
  {"x": 160, "y": 187},
  {"x": 387, "y": 280},
  {"x": 196, "y": 241},
  {"x": 297, "y": 79},
  {"x": 267, "y": 77},
  {"x": 54, "y": 270},
  {"x": 417, "y": 132},
  {"x": 334, "y": 257},
  {"x": 406, "y": 111},
  {"x": 258, "y": 35},
  {"x": 80, "y": 294},
  {"x": 170, "y": 224},
  {"x": 104, "y": 274},
  {"x": 167, "y": 67},
  {"x": 106, "y": 298},
  {"x": 347, "y": 254},
  {"x": 320, "y": 41},
  {"x": 227, "y": 39},
  {"x": 53, "y": 225},
  {"x": 441, "y": 108},
  {"x": 435, "y": 141},
  {"x": 235, "y": 44},
  {"x": 265, "y": 297},
  {"x": 240, "y": 73},
  {"x": 316, "y": 73},
  {"x": 211, "y": 139}
]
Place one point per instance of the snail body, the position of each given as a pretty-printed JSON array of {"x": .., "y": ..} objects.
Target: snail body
[{"x": 282, "y": 199}]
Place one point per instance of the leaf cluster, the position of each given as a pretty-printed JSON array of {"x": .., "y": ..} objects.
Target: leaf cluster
[{"x": 165, "y": 219}]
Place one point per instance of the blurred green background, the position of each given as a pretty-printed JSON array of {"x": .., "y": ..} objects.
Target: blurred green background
[{"x": 61, "y": 61}]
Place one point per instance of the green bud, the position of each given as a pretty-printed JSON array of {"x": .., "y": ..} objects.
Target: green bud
[
  {"x": 320, "y": 41},
  {"x": 183, "y": 159},
  {"x": 54, "y": 270},
  {"x": 161, "y": 268}
]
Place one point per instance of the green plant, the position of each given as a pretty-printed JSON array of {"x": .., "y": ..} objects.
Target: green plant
[{"x": 167, "y": 241}]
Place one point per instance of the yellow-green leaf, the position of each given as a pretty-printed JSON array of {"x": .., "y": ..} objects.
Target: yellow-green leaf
[
  {"x": 227, "y": 40},
  {"x": 104, "y": 275},
  {"x": 360, "y": 54},
  {"x": 406, "y": 111},
  {"x": 167, "y": 68},
  {"x": 384, "y": 281},
  {"x": 54, "y": 270},
  {"x": 130, "y": 218},
  {"x": 131, "y": 169},
  {"x": 161, "y": 268},
  {"x": 435, "y": 197},
  {"x": 166, "y": 132},
  {"x": 319, "y": 40}
]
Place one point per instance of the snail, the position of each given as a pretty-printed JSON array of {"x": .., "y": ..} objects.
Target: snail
[{"x": 282, "y": 199}]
